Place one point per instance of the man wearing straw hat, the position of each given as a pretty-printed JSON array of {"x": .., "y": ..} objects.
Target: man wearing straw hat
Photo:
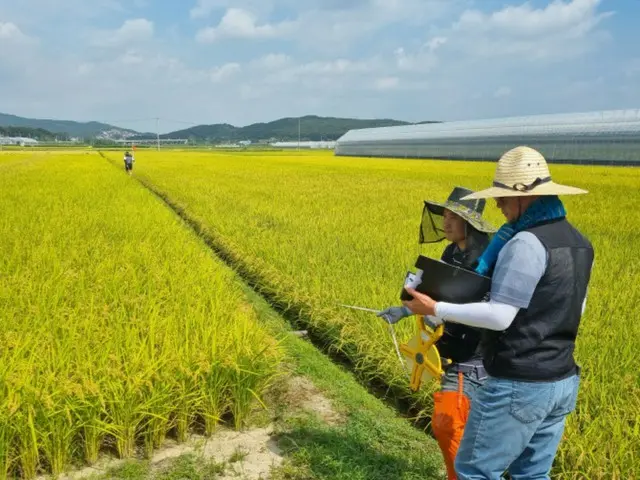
[{"x": 541, "y": 266}]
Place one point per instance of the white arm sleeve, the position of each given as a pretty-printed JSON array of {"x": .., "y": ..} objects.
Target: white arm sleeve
[{"x": 489, "y": 315}]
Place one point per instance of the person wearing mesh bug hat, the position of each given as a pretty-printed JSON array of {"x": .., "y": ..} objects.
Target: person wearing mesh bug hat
[
  {"x": 541, "y": 271},
  {"x": 461, "y": 223}
]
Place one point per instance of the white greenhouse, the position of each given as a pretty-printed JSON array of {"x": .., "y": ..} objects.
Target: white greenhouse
[
  {"x": 23, "y": 141},
  {"x": 605, "y": 137}
]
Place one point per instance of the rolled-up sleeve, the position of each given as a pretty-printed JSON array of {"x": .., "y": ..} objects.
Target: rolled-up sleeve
[{"x": 520, "y": 266}]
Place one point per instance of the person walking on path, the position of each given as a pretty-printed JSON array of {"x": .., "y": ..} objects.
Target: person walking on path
[{"x": 128, "y": 162}]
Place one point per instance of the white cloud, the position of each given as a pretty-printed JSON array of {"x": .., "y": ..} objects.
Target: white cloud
[
  {"x": 340, "y": 67},
  {"x": 304, "y": 81},
  {"x": 329, "y": 57},
  {"x": 338, "y": 29},
  {"x": 326, "y": 26},
  {"x": 310, "y": 83},
  {"x": 422, "y": 60},
  {"x": 561, "y": 30},
  {"x": 272, "y": 61},
  {"x": 203, "y": 8},
  {"x": 16, "y": 48},
  {"x": 9, "y": 32},
  {"x": 502, "y": 92},
  {"x": 238, "y": 23},
  {"x": 131, "y": 32},
  {"x": 131, "y": 57},
  {"x": 559, "y": 16},
  {"x": 84, "y": 68},
  {"x": 224, "y": 72},
  {"x": 333, "y": 27},
  {"x": 435, "y": 43},
  {"x": 386, "y": 83}
]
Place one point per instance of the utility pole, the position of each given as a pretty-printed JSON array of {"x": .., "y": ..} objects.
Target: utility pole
[{"x": 158, "y": 132}]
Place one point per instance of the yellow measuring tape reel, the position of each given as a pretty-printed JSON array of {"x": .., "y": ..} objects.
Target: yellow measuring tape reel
[{"x": 421, "y": 356}]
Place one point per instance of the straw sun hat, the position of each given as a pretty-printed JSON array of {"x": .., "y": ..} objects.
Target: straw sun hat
[{"x": 521, "y": 172}]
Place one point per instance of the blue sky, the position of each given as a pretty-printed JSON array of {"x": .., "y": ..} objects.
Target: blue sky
[{"x": 243, "y": 61}]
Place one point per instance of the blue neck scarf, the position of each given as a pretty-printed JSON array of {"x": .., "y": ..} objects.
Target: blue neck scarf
[{"x": 544, "y": 209}]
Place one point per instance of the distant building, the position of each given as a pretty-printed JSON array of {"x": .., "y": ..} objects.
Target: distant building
[
  {"x": 22, "y": 141},
  {"x": 307, "y": 145},
  {"x": 152, "y": 141},
  {"x": 604, "y": 137}
]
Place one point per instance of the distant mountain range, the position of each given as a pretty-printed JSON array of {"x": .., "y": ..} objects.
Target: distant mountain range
[
  {"x": 67, "y": 127},
  {"x": 285, "y": 129}
]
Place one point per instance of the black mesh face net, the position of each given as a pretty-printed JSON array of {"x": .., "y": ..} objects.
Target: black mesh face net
[
  {"x": 431, "y": 227},
  {"x": 432, "y": 231}
]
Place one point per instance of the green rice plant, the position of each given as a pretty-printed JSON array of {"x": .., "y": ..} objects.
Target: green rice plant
[
  {"x": 7, "y": 409},
  {"x": 215, "y": 398},
  {"x": 24, "y": 431},
  {"x": 56, "y": 435},
  {"x": 245, "y": 372},
  {"x": 89, "y": 415},
  {"x": 5, "y": 449}
]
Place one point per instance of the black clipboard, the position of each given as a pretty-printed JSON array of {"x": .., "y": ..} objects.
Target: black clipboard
[{"x": 447, "y": 283}]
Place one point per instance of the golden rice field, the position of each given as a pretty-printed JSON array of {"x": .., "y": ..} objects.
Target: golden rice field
[
  {"x": 318, "y": 230},
  {"x": 117, "y": 324}
]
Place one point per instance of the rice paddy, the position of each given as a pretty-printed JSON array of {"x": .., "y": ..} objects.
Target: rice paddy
[
  {"x": 119, "y": 327},
  {"x": 318, "y": 231}
]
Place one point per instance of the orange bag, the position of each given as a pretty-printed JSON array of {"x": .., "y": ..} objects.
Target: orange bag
[{"x": 450, "y": 412}]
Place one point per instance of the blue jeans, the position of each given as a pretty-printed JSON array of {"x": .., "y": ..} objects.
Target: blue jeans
[{"x": 515, "y": 426}]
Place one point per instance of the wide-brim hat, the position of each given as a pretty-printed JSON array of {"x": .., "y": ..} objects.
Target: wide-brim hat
[
  {"x": 521, "y": 172},
  {"x": 470, "y": 210}
]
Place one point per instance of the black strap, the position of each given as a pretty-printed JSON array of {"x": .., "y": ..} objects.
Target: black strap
[
  {"x": 521, "y": 187},
  {"x": 468, "y": 368}
]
